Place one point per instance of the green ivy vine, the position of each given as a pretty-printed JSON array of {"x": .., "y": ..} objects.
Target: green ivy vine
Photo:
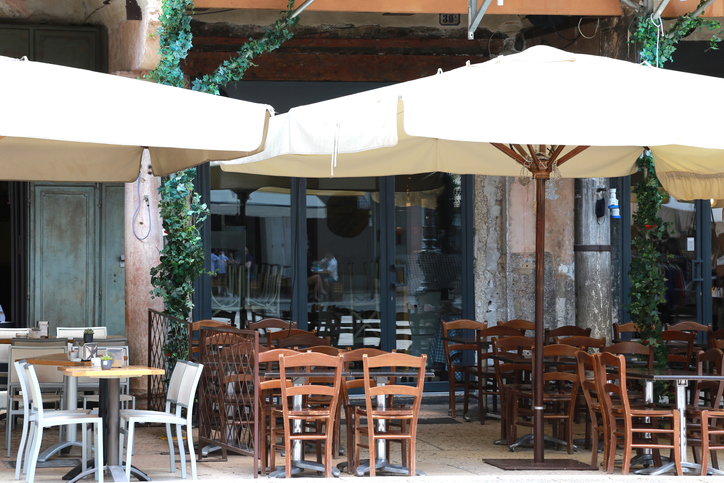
[
  {"x": 648, "y": 288},
  {"x": 657, "y": 46},
  {"x": 182, "y": 259}
]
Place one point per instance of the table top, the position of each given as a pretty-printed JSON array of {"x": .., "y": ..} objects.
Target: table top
[
  {"x": 664, "y": 374},
  {"x": 59, "y": 359},
  {"x": 113, "y": 373}
]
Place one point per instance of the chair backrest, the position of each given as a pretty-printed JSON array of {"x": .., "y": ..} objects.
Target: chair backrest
[
  {"x": 273, "y": 337},
  {"x": 565, "y": 331},
  {"x": 19, "y": 368},
  {"x": 187, "y": 388},
  {"x": 610, "y": 376},
  {"x": 519, "y": 324},
  {"x": 630, "y": 350},
  {"x": 264, "y": 325},
  {"x": 308, "y": 362},
  {"x": 35, "y": 400},
  {"x": 47, "y": 375},
  {"x": 620, "y": 329},
  {"x": 709, "y": 362},
  {"x": 461, "y": 325},
  {"x": 77, "y": 332},
  {"x": 512, "y": 347},
  {"x": 582, "y": 341},
  {"x": 57, "y": 343},
  {"x": 301, "y": 341},
  {"x": 586, "y": 362},
  {"x": 688, "y": 326},
  {"x": 12, "y": 332},
  {"x": 400, "y": 362},
  {"x": 681, "y": 347},
  {"x": 325, "y": 349}
]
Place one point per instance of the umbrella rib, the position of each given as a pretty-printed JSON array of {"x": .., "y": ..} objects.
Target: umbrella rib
[
  {"x": 572, "y": 153},
  {"x": 557, "y": 150},
  {"x": 517, "y": 157}
]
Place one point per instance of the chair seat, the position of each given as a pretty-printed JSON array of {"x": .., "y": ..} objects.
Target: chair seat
[
  {"x": 96, "y": 398},
  {"x": 155, "y": 416}
]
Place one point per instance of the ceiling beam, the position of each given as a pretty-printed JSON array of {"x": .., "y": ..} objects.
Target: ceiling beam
[{"x": 475, "y": 15}]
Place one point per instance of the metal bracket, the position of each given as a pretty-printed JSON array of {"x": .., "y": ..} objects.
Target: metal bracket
[
  {"x": 303, "y": 7},
  {"x": 475, "y": 15},
  {"x": 660, "y": 9}
]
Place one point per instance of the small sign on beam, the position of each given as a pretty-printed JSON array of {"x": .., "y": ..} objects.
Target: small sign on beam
[{"x": 449, "y": 19}]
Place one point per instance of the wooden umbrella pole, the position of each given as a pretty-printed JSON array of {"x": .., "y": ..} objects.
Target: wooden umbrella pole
[{"x": 540, "y": 233}]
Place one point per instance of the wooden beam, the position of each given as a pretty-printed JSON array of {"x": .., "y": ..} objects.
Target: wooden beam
[{"x": 591, "y": 8}]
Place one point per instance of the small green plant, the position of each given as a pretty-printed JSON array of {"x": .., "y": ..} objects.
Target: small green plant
[
  {"x": 88, "y": 331},
  {"x": 107, "y": 357}
]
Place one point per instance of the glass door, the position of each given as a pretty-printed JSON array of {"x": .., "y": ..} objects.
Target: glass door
[{"x": 427, "y": 261}]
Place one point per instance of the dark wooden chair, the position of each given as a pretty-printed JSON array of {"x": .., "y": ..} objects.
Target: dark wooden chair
[
  {"x": 194, "y": 336},
  {"x": 510, "y": 375},
  {"x": 560, "y": 392},
  {"x": 486, "y": 372},
  {"x": 273, "y": 337},
  {"x": 594, "y": 422},
  {"x": 407, "y": 414},
  {"x": 627, "y": 424},
  {"x": 324, "y": 415},
  {"x": 565, "y": 331},
  {"x": 714, "y": 338},
  {"x": 350, "y": 358},
  {"x": 270, "y": 323},
  {"x": 301, "y": 341},
  {"x": 620, "y": 329},
  {"x": 269, "y": 394},
  {"x": 521, "y": 324},
  {"x": 681, "y": 348},
  {"x": 582, "y": 341},
  {"x": 456, "y": 354}
]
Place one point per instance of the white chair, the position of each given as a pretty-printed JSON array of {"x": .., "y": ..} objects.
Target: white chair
[
  {"x": 77, "y": 332},
  {"x": 29, "y": 414},
  {"x": 42, "y": 419},
  {"x": 181, "y": 393},
  {"x": 51, "y": 379}
]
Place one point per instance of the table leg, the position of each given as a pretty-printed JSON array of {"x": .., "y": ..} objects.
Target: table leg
[{"x": 71, "y": 403}]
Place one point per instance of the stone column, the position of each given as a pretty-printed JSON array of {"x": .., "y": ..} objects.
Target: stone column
[
  {"x": 144, "y": 241},
  {"x": 592, "y": 259}
]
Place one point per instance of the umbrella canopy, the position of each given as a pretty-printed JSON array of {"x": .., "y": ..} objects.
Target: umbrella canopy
[
  {"x": 448, "y": 121},
  {"x": 543, "y": 112},
  {"x": 64, "y": 124}
]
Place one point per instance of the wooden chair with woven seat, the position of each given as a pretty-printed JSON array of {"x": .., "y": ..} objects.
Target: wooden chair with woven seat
[
  {"x": 460, "y": 357},
  {"x": 510, "y": 375},
  {"x": 681, "y": 348},
  {"x": 706, "y": 395},
  {"x": 307, "y": 361},
  {"x": 330, "y": 351},
  {"x": 269, "y": 393},
  {"x": 565, "y": 331},
  {"x": 486, "y": 373},
  {"x": 351, "y": 358},
  {"x": 407, "y": 414},
  {"x": 584, "y": 364},
  {"x": 524, "y": 325},
  {"x": 634, "y": 427},
  {"x": 560, "y": 392}
]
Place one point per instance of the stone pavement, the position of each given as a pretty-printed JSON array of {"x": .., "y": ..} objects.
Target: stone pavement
[{"x": 447, "y": 450}]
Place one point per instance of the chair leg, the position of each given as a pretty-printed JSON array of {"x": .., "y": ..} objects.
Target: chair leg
[
  {"x": 30, "y": 477},
  {"x": 171, "y": 450},
  {"x": 83, "y": 448},
  {"x": 181, "y": 452},
  {"x": 129, "y": 447},
  {"x": 349, "y": 421},
  {"x": 23, "y": 441},
  {"x": 451, "y": 398},
  {"x": 98, "y": 438},
  {"x": 192, "y": 454}
]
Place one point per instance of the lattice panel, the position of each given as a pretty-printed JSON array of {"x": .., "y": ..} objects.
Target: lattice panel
[
  {"x": 228, "y": 394},
  {"x": 158, "y": 326}
]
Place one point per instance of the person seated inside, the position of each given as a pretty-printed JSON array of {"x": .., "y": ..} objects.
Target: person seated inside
[{"x": 329, "y": 273}]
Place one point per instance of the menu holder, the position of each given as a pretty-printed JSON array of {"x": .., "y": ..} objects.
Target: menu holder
[
  {"x": 117, "y": 354},
  {"x": 88, "y": 351}
]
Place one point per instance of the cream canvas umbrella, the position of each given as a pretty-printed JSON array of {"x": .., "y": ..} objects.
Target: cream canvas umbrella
[
  {"x": 64, "y": 124},
  {"x": 542, "y": 112}
]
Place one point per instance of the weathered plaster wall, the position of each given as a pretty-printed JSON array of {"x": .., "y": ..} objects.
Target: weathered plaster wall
[
  {"x": 505, "y": 251},
  {"x": 133, "y": 44},
  {"x": 141, "y": 256}
]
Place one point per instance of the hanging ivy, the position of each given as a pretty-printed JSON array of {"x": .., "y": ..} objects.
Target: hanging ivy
[{"x": 182, "y": 259}]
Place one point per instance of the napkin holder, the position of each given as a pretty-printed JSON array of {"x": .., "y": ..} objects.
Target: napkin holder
[{"x": 88, "y": 351}]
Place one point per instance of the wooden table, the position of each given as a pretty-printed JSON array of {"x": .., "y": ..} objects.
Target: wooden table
[
  {"x": 109, "y": 408},
  {"x": 71, "y": 402}
]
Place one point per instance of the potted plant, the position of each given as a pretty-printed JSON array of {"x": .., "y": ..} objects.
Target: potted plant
[
  {"x": 88, "y": 335},
  {"x": 106, "y": 361}
]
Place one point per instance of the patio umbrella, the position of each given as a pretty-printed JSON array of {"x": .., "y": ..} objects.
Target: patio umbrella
[
  {"x": 64, "y": 124},
  {"x": 540, "y": 113}
]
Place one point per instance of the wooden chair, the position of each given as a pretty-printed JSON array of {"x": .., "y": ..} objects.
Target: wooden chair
[
  {"x": 627, "y": 328},
  {"x": 635, "y": 353},
  {"x": 681, "y": 348},
  {"x": 301, "y": 341},
  {"x": 560, "y": 392},
  {"x": 622, "y": 421},
  {"x": 594, "y": 422},
  {"x": 565, "y": 331},
  {"x": 521, "y": 324},
  {"x": 272, "y": 338},
  {"x": 705, "y": 396},
  {"x": 290, "y": 413},
  {"x": 510, "y": 376},
  {"x": 406, "y": 414},
  {"x": 269, "y": 393},
  {"x": 460, "y": 352},
  {"x": 330, "y": 351},
  {"x": 270, "y": 323},
  {"x": 714, "y": 338},
  {"x": 194, "y": 341},
  {"x": 350, "y": 358},
  {"x": 486, "y": 373},
  {"x": 584, "y": 342}
]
